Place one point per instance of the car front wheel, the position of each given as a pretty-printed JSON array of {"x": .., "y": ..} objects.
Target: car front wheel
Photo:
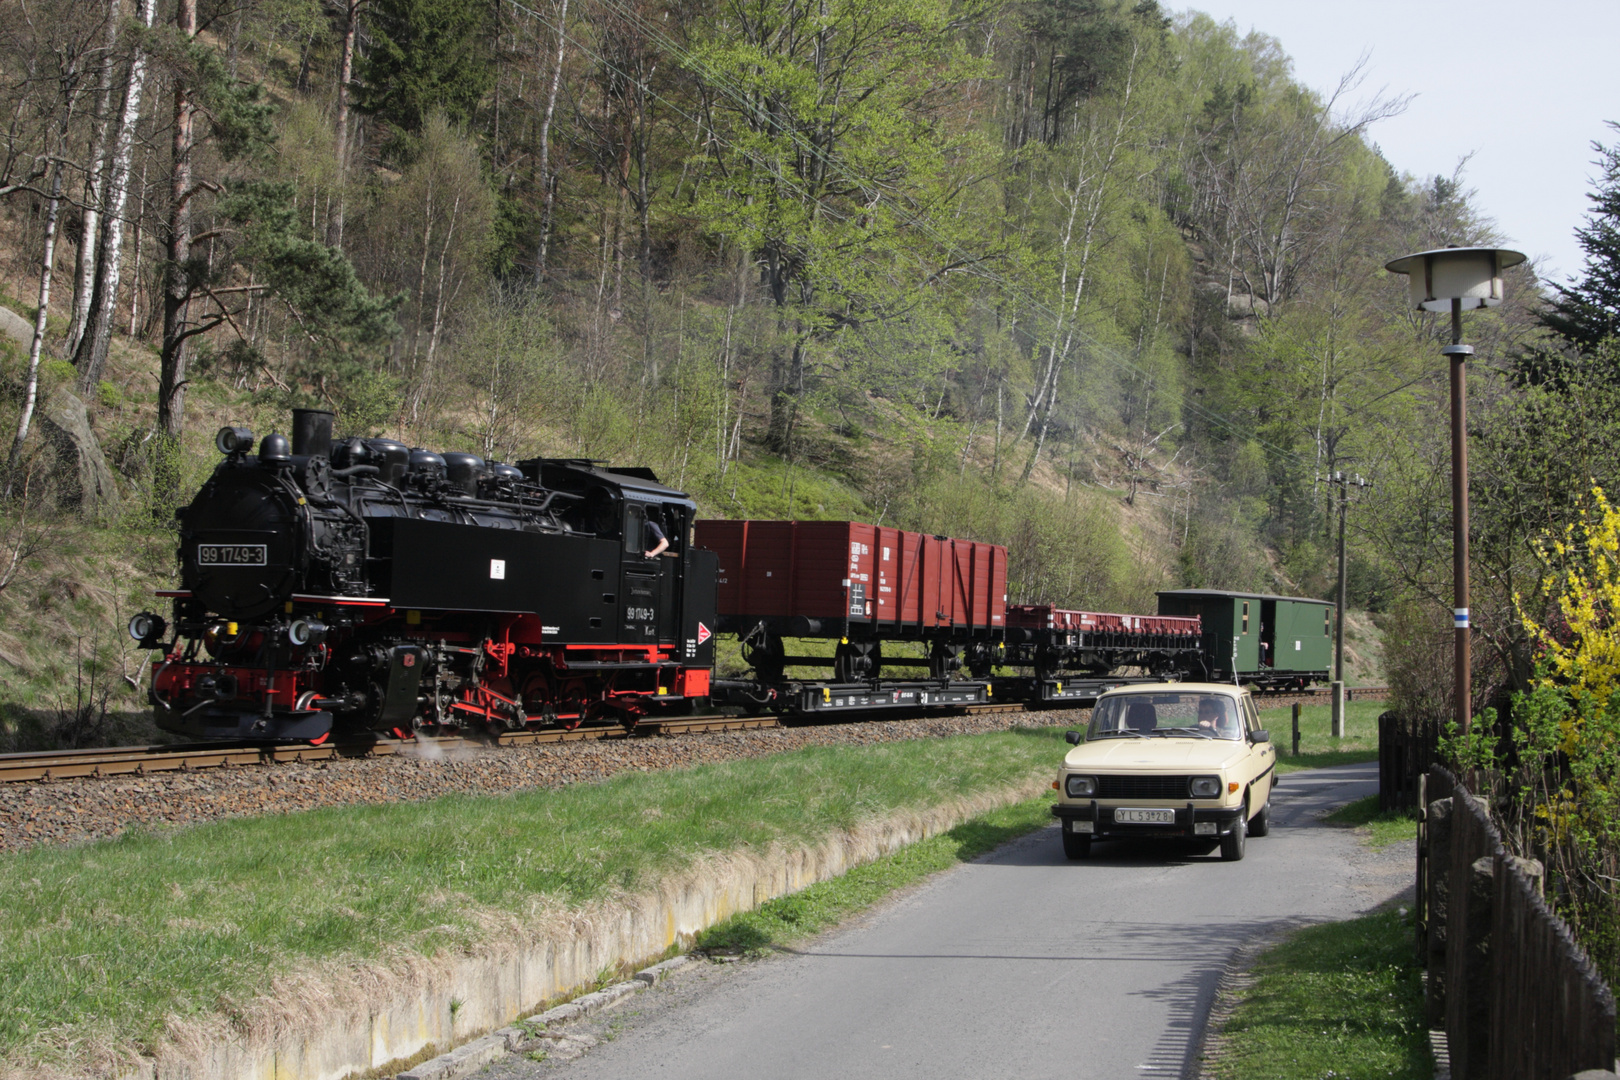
[
  {"x": 1261, "y": 825},
  {"x": 1076, "y": 846},
  {"x": 1233, "y": 843}
]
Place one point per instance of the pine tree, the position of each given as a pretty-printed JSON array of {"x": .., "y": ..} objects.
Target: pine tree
[
  {"x": 1588, "y": 310},
  {"x": 425, "y": 55}
]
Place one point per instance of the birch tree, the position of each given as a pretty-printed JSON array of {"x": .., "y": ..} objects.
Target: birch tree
[{"x": 91, "y": 354}]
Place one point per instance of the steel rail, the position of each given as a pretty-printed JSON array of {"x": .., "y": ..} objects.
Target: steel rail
[{"x": 145, "y": 760}]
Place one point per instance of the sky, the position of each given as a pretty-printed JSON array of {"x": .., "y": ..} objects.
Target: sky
[{"x": 1524, "y": 88}]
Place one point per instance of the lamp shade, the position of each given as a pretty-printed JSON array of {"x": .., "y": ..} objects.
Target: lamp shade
[{"x": 1472, "y": 275}]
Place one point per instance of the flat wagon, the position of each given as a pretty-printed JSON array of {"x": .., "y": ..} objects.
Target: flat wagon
[{"x": 1052, "y": 640}]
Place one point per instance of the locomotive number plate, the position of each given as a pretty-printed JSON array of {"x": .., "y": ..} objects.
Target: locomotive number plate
[{"x": 230, "y": 555}]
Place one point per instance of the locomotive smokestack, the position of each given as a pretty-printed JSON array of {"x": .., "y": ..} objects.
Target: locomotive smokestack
[{"x": 311, "y": 431}]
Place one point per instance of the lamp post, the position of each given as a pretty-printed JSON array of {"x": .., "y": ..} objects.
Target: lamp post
[{"x": 1458, "y": 280}]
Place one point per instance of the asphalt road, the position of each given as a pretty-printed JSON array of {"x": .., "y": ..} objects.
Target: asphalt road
[{"x": 1020, "y": 965}]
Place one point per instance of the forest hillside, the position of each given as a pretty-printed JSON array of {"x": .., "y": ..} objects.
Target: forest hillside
[{"x": 1095, "y": 279}]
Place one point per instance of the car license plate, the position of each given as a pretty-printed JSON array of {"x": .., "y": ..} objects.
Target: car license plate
[
  {"x": 1145, "y": 817},
  {"x": 230, "y": 555}
]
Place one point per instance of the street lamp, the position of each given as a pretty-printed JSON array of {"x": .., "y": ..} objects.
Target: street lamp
[{"x": 1457, "y": 279}]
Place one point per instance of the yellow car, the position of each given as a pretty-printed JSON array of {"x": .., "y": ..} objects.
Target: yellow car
[{"x": 1168, "y": 761}]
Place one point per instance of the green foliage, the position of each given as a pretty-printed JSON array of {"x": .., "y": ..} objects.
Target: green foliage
[
  {"x": 238, "y": 114},
  {"x": 1564, "y": 805},
  {"x": 316, "y": 280},
  {"x": 1317, "y": 746},
  {"x": 425, "y": 55},
  {"x": 1383, "y": 827},
  {"x": 1341, "y": 1000},
  {"x": 1586, "y": 313}
]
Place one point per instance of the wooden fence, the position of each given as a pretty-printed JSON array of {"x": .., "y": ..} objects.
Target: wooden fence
[
  {"x": 1519, "y": 997},
  {"x": 1406, "y": 750}
]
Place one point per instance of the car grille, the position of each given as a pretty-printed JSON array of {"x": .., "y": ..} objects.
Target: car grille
[{"x": 1143, "y": 787}]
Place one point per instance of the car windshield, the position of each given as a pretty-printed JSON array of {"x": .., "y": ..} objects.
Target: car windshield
[{"x": 1166, "y": 715}]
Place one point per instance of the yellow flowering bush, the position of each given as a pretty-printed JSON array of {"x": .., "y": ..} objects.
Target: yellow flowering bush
[
  {"x": 1565, "y": 794},
  {"x": 1582, "y": 657}
]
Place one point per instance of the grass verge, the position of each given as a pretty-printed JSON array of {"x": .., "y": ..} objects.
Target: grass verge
[
  {"x": 786, "y": 919},
  {"x": 104, "y": 943},
  {"x": 1344, "y": 1000},
  {"x": 1317, "y": 746},
  {"x": 1384, "y": 827}
]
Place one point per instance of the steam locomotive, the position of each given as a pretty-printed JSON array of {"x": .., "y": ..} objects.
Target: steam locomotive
[
  {"x": 347, "y": 583},
  {"x": 404, "y": 590}
]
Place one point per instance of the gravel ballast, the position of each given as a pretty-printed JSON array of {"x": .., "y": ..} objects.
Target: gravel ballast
[
  {"x": 87, "y": 808},
  {"x": 63, "y": 811}
]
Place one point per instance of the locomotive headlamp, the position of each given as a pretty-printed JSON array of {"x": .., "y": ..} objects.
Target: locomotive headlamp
[
  {"x": 147, "y": 629},
  {"x": 233, "y": 440},
  {"x": 306, "y": 632}
]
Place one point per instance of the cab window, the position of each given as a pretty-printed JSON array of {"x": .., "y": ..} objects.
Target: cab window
[{"x": 635, "y": 522}]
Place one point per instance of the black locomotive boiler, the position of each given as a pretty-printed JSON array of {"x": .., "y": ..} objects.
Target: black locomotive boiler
[{"x": 359, "y": 584}]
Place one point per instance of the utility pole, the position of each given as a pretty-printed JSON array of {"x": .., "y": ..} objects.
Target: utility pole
[{"x": 1344, "y": 482}]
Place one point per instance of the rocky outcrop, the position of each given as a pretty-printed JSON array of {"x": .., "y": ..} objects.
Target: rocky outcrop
[
  {"x": 81, "y": 478},
  {"x": 15, "y": 328}
]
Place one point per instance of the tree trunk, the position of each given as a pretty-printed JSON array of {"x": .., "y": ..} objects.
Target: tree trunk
[
  {"x": 84, "y": 276},
  {"x": 135, "y": 250},
  {"x": 351, "y": 24},
  {"x": 177, "y": 290},
  {"x": 31, "y": 384},
  {"x": 548, "y": 183},
  {"x": 91, "y": 355}
]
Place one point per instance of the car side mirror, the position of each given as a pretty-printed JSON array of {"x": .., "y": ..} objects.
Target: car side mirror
[
  {"x": 1259, "y": 735},
  {"x": 1073, "y": 738}
]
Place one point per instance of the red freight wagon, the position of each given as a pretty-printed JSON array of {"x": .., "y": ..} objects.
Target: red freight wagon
[
  {"x": 1052, "y": 639},
  {"x": 860, "y": 583}
]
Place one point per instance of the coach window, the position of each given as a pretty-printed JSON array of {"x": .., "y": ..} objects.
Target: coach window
[{"x": 1245, "y": 616}]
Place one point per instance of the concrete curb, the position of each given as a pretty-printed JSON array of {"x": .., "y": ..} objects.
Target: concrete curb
[
  {"x": 393, "y": 1013},
  {"x": 529, "y": 1033}
]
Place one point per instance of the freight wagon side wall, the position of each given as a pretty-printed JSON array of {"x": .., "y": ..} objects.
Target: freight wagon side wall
[
  {"x": 780, "y": 569},
  {"x": 904, "y": 582}
]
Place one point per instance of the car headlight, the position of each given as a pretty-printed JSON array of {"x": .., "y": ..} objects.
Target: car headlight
[
  {"x": 1206, "y": 787},
  {"x": 1081, "y": 786}
]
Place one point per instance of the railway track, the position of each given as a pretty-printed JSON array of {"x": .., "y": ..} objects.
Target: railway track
[{"x": 144, "y": 760}]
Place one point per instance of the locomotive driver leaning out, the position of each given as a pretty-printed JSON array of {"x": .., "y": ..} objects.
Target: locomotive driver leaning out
[
  {"x": 653, "y": 538},
  {"x": 1215, "y": 716}
]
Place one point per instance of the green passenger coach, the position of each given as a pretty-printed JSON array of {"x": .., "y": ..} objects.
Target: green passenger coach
[{"x": 1274, "y": 642}]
